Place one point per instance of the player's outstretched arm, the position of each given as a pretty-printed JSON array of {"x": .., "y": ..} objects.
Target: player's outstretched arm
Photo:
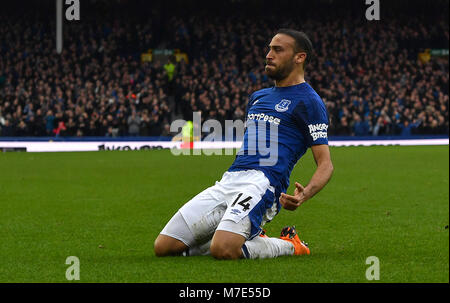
[{"x": 319, "y": 179}]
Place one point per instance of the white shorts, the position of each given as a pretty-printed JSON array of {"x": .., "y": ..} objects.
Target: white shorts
[{"x": 241, "y": 202}]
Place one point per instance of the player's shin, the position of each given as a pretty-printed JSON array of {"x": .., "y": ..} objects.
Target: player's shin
[
  {"x": 265, "y": 247},
  {"x": 201, "y": 250}
]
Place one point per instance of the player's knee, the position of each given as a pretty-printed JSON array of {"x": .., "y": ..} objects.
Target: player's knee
[
  {"x": 224, "y": 252},
  {"x": 168, "y": 246},
  {"x": 160, "y": 249}
]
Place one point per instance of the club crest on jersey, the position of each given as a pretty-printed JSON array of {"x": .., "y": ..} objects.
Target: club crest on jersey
[{"x": 283, "y": 105}]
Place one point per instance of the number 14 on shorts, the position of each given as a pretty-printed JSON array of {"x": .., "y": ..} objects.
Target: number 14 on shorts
[{"x": 244, "y": 202}]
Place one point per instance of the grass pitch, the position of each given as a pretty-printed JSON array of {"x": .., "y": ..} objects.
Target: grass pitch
[{"x": 107, "y": 208}]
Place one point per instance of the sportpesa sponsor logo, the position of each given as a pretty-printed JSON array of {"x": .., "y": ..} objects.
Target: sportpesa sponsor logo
[
  {"x": 318, "y": 131},
  {"x": 264, "y": 117}
]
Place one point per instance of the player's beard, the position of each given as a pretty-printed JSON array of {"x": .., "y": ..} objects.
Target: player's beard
[{"x": 281, "y": 72}]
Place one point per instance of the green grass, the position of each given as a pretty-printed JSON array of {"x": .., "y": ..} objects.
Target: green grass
[{"x": 106, "y": 208}]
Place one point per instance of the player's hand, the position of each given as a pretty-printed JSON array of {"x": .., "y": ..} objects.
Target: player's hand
[{"x": 292, "y": 202}]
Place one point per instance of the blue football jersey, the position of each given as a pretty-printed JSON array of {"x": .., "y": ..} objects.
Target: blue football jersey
[{"x": 281, "y": 123}]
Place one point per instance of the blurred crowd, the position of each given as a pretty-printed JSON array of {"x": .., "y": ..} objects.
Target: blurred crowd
[{"x": 367, "y": 73}]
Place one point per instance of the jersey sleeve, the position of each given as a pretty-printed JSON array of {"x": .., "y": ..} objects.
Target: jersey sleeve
[{"x": 312, "y": 119}]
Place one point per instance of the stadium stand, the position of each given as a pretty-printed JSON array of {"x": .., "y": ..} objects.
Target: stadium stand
[{"x": 377, "y": 78}]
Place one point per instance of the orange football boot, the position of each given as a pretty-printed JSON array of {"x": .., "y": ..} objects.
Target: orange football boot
[{"x": 289, "y": 233}]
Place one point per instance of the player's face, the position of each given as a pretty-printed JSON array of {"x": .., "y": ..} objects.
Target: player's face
[{"x": 280, "y": 58}]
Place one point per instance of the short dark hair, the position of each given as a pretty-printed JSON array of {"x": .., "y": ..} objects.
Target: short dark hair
[{"x": 302, "y": 43}]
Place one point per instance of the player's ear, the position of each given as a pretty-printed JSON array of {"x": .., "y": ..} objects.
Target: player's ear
[{"x": 300, "y": 57}]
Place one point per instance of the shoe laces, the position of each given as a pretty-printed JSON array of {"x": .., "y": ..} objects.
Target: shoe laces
[{"x": 288, "y": 231}]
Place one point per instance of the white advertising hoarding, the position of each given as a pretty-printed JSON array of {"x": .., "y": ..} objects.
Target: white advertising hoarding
[{"x": 76, "y": 146}]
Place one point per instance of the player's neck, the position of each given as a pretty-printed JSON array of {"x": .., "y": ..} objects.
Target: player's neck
[{"x": 292, "y": 79}]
